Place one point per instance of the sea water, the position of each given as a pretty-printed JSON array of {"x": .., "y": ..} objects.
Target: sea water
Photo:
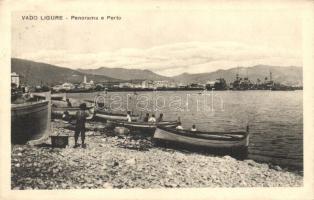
[{"x": 275, "y": 118}]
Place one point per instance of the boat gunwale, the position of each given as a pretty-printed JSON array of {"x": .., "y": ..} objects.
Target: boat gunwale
[
  {"x": 70, "y": 108},
  {"x": 198, "y": 142},
  {"x": 146, "y": 123},
  {"x": 197, "y": 134},
  {"x": 27, "y": 105},
  {"x": 114, "y": 114}
]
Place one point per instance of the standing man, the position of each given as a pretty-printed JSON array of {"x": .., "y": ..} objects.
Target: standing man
[
  {"x": 160, "y": 118},
  {"x": 128, "y": 116},
  {"x": 80, "y": 125},
  {"x": 146, "y": 117},
  {"x": 69, "y": 104}
]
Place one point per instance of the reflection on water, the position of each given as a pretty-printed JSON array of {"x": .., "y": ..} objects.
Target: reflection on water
[{"x": 275, "y": 117}]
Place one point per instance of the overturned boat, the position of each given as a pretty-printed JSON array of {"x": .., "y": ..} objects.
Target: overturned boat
[
  {"x": 222, "y": 141},
  {"x": 29, "y": 121}
]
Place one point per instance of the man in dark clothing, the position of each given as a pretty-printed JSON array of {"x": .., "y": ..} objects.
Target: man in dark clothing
[
  {"x": 160, "y": 118},
  {"x": 69, "y": 104},
  {"x": 146, "y": 117},
  {"x": 80, "y": 125}
]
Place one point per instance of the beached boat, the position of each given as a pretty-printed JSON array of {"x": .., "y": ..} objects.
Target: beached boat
[
  {"x": 71, "y": 111},
  {"x": 114, "y": 116},
  {"x": 144, "y": 126},
  {"x": 29, "y": 121},
  {"x": 57, "y": 97},
  {"x": 210, "y": 140}
]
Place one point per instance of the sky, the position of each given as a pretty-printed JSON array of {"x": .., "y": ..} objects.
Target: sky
[{"x": 166, "y": 41}]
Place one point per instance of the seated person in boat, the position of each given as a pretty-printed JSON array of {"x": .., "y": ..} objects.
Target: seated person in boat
[
  {"x": 152, "y": 119},
  {"x": 179, "y": 127},
  {"x": 146, "y": 117},
  {"x": 66, "y": 116},
  {"x": 128, "y": 116},
  {"x": 69, "y": 104},
  {"x": 160, "y": 118},
  {"x": 81, "y": 116},
  {"x": 193, "y": 128}
]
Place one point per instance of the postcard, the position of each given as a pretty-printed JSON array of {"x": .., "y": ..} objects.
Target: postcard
[{"x": 157, "y": 100}]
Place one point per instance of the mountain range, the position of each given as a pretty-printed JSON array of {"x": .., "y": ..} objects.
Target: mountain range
[
  {"x": 36, "y": 73},
  {"x": 287, "y": 75},
  {"x": 125, "y": 74}
]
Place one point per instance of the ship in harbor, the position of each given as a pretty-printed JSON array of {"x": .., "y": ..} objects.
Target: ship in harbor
[
  {"x": 268, "y": 84},
  {"x": 218, "y": 84}
]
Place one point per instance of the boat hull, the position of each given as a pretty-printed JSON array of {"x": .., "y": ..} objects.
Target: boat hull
[
  {"x": 29, "y": 121},
  {"x": 145, "y": 126},
  {"x": 211, "y": 141},
  {"x": 111, "y": 116},
  {"x": 58, "y": 112}
]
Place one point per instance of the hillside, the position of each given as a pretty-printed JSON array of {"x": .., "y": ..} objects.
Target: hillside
[
  {"x": 125, "y": 74},
  {"x": 35, "y": 73},
  {"x": 286, "y": 75}
]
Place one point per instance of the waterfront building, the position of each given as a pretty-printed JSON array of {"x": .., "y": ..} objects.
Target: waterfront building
[
  {"x": 125, "y": 85},
  {"x": 161, "y": 84},
  {"x": 67, "y": 86},
  {"x": 15, "y": 79},
  {"x": 147, "y": 84},
  {"x": 57, "y": 88}
]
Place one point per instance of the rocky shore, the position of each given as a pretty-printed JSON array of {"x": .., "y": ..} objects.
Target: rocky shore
[{"x": 127, "y": 161}]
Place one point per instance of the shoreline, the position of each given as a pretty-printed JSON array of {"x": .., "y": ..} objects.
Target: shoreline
[{"x": 111, "y": 161}]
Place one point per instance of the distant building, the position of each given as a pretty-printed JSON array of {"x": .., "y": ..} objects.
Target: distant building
[
  {"x": 161, "y": 84},
  {"x": 108, "y": 85},
  {"x": 210, "y": 83},
  {"x": 15, "y": 78},
  {"x": 125, "y": 85},
  {"x": 172, "y": 85},
  {"x": 196, "y": 85},
  {"x": 57, "y": 88},
  {"x": 85, "y": 79},
  {"x": 88, "y": 85},
  {"x": 67, "y": 86},
  {"x": 150, "y": 84},
  {"x": 145, "y": 84},
  {"x": 182, "y": 85}
]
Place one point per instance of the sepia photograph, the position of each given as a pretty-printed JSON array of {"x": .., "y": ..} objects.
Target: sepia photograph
[{"x": 158, "y": 97}]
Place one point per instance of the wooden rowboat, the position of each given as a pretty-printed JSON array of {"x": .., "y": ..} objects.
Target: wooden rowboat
[
  {"x": 210, "y": 140},
  {"x": 144, "y": 126},
  {"x": 114, "y": 116},
  {"x": 29, "y": 121},
  {"x": 60, "y": 111}
]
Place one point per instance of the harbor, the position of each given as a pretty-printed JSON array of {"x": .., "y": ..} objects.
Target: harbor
[
  {"x": 123, "y": 161},
  {"x": 191, "y": 96},
  {"x": 132, "y": 159}
]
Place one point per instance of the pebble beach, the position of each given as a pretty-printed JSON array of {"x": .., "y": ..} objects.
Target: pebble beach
[{"x": 130, "y": 161}]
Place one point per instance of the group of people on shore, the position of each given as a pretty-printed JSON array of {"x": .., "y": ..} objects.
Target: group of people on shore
[
  {"x": 81, "y": 116},
  {"x": 152, "y": 119},
  {"x": 147, "y": 118},
  {"x": 180, "y": 127}
]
